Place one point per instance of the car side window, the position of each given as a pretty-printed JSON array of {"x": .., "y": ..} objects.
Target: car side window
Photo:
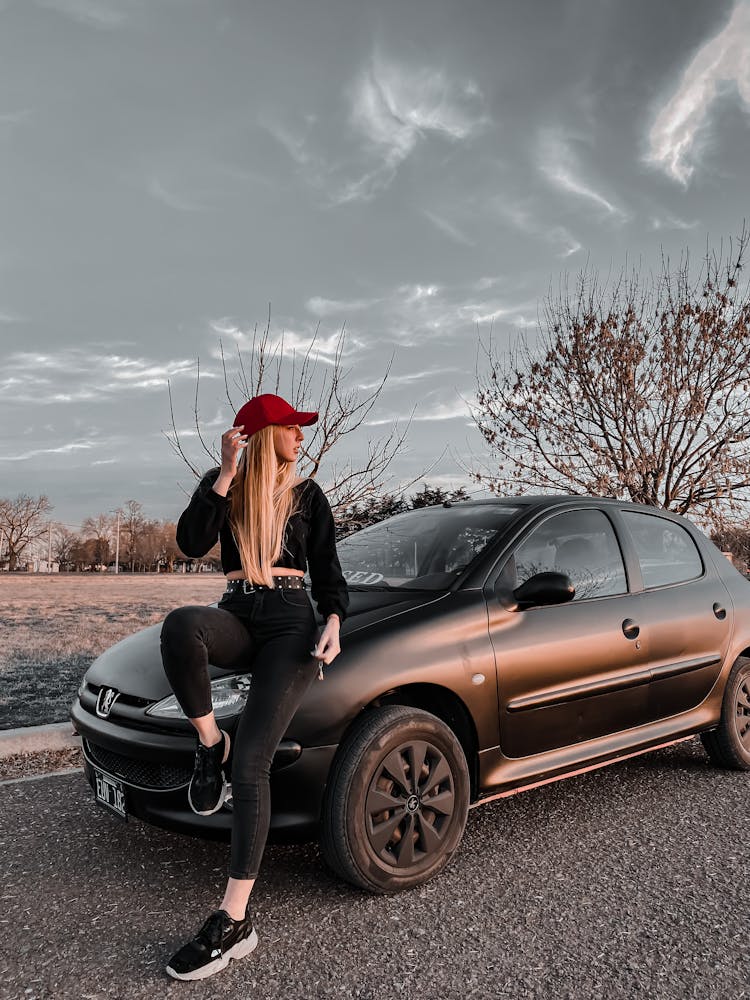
[
  {"x": 666, "y": 551},
  {"x": 580, "y": 543}
]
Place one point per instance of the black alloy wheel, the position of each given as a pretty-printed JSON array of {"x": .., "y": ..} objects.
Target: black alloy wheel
[
  {"x": 729, "y": 744},
  {"x": 396, "y": 801}
]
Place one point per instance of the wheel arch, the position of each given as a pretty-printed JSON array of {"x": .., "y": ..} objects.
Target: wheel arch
[{"x": 441, "y": 702}]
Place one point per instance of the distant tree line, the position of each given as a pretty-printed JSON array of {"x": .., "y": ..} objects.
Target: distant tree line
[{"x": 25, "y": 529}]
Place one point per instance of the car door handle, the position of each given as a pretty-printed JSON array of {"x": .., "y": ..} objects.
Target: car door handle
[
  {"x": 719, "y": 611},
  {"x": 630, "y": 630}
]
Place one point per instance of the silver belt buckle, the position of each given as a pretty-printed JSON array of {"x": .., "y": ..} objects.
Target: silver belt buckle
[{"x": 245, "y": 588}]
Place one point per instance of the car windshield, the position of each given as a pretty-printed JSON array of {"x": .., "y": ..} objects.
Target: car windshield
[{"x": 425, "y": 548}]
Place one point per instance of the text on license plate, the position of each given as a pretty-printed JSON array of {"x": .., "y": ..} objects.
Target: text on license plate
[{"x": 110, "y": 793}]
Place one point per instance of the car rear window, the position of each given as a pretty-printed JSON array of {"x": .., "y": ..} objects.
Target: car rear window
[{"x": 666, "y": 551}]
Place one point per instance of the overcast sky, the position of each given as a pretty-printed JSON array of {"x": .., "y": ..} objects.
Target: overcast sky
[{"x": 417, "y": 172}]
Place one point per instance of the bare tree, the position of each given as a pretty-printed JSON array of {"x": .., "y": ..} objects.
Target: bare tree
[
  {"x": 99, "y": 529},
  {"x": 340, "y": 413},
  {"x": 86, "y": 554},
  {"x": 22, "y": 521},
  {"x": 63, "y": 542},
  {"x": 734, "y": 539},
  {"x": 132, "y": 523},
  {"x": 637, "y": 392},
  {"x": 168, "y": 550}
]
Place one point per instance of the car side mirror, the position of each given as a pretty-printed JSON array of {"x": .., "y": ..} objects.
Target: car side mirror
[{"x": 543, "y": 589}]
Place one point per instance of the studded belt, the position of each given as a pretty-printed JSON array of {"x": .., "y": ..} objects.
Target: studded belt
[{"x": 283, "y": 582}]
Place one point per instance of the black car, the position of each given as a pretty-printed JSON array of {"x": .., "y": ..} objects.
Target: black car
[{"x": 490, "y": 646}]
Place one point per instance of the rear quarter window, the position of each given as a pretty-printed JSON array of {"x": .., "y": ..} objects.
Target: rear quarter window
[{"x": 666, "y": 551}]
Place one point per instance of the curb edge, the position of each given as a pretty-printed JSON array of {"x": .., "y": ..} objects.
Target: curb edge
[{"x": 37, "y": 739}]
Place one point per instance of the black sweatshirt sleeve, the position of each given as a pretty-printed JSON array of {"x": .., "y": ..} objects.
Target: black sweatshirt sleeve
[
  {"x": 199, "y": 524},
  {"x": 327, "y": 583}
]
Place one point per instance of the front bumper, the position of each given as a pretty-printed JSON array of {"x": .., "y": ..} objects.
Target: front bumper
[{"x": 155, "y": 768}]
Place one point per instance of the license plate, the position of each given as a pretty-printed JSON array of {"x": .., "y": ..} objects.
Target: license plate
[{"x": 110, "y": 792}]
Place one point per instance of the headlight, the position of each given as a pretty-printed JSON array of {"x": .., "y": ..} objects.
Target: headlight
[
  {"x": 81, "y": 688},
  {"x": 228, "y": 695}
]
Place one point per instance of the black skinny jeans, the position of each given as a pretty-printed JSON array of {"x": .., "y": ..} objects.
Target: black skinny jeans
[{"x": 269, "y": 633}]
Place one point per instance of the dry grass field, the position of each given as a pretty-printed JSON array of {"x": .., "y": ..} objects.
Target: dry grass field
[{"x": 52, "y": 627}]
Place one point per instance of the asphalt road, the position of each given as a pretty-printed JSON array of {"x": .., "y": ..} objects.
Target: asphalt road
[{"x": 630, "y": 881}]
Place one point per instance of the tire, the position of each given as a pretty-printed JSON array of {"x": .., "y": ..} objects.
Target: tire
[
  {"x": 729, "y": 744},
  {"x": 362, "y": 784}
]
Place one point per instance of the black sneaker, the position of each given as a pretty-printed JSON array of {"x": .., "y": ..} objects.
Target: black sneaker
[
  {"x": 218, "y": 941},
  {"x": 208, "y": 786}
]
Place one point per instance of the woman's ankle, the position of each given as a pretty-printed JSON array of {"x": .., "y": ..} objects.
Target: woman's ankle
[{"x": 208, "y": 731}]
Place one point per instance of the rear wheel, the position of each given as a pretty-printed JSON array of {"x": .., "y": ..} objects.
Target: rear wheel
[
  {"x": 396, "y": 800},
  {"x": 729, "y": 744}
]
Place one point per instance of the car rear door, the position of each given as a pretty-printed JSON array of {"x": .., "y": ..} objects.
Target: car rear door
[
  {"x": 576, "y": 671},
  {"x": 686, "y": 613}
]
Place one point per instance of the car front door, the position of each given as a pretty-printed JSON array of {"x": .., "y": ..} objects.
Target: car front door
[{"x": 576, "y": 671}]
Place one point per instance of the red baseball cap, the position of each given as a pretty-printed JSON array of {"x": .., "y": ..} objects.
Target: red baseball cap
[{"x": 260, "y": 411}]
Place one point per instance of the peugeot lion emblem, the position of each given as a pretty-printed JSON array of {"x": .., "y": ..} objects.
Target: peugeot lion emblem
[{"x": 105, "y": 701}]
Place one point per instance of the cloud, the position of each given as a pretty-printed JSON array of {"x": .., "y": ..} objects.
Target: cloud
[
  {"x": 418, "y": 313},
  {"x": 444, "y": 226},
  {"x": 93, "y": 13},
  {"x": 482, "y": 284},
  {"x": 293, "y": 141},
  {"x": 62, "y": 449},
  {"x": 408, "y": 379},
  {"x": 418, "y": 293},
  {"x": 329, "y": 307},
  {"x": 560, "y": 167},
  {"x": 297, "y": 341},
  {"x": 521, "y": 216},
  {"x": 671, "y": 222},
  {"x": 395, "y": 108},
  {"x": 10, "y": 119},
  {"x": 170, "y": 198},
  {"x": 75, "y": 374},
  {"x": 440, "y": 410},
  {"x": 717, "y": 65},
  {"x": 522, "y": 315}
]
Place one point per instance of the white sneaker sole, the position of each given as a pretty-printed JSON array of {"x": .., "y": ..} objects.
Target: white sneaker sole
[
  {"x": 219, "y": 804},
  {"x": 239, "y": 950}
]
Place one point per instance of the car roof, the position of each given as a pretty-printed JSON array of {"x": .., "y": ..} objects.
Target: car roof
[{"x": 540, "y": 501}]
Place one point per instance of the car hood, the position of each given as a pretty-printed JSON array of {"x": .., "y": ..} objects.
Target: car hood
[{"x": 133, "y": 666}]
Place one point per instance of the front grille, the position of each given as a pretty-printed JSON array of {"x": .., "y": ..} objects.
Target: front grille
[
  {"x": 133, "y": 771},
  {"x": 124, "y": 699}
]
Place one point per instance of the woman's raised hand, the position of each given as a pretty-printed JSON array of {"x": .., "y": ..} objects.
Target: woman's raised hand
[{"x": 232, "y": 443}]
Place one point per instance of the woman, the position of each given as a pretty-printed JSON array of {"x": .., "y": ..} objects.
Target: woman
[{"x": 270, "y": 523}]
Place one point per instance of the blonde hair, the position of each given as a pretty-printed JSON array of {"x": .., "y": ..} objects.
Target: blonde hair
[{"x": 261, "y": 503}]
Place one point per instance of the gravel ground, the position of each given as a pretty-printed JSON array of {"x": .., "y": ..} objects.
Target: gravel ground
[{"x": 628, "y": 882}]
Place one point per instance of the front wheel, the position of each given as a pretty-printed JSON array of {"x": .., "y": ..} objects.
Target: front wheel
[
  {"x": 729, "y": 744},
  {"x": 396, "y": 801}
]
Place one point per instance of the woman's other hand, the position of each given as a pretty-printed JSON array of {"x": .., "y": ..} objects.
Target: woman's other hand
[
  {"x": 232, "y": 443},
  {"x": 327, "y": 647}
]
